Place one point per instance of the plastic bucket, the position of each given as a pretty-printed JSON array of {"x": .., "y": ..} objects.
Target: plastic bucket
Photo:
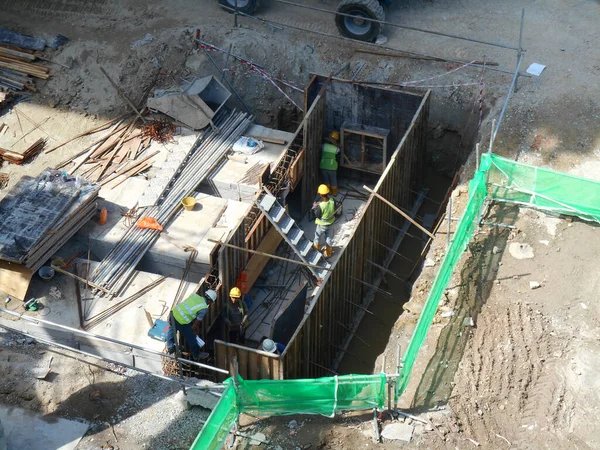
[
  {"x": 188, "y": 203},
  {"x": 46, "y": 273}
]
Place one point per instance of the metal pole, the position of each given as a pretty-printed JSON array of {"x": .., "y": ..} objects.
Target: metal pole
[
  {"x": 449, "y": 222},
  {"x": 235, "y": 15},
  {"x": 227, "y": 81},
  {"x": 492, "y": 136},
  {"x": 398, "y": 366},
  {"x": 520, "y": 50},
  {"x": 226, "y": 61},
  {"x": 102, "y": 358},
  {"x": 477, "y": 157},
  {"x": 510, "y": 91},
  {"x": 107, "y": 339}
]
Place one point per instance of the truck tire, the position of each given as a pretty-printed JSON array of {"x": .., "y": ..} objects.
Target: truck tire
[
  {"x": 360, "y": 29},
  {"x": 244, "y": 6}
]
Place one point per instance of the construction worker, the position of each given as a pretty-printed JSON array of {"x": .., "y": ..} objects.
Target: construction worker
[
  {"x": 329, "y": 162},
  {"x": 324, "y": 211},
  {"x": 236, "y": 317},
  {"x": 186, "y": 318},
  {"x": 270, "y": 346}
]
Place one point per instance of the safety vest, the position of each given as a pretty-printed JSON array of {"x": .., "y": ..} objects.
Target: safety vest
[
  {"x": 328, "y": 161},
  {"x": 187, "y": 310},
  {"x": 327, "y": 212}
]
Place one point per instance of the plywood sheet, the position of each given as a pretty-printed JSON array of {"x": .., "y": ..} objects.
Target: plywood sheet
[{"x": 14, "y": 279}]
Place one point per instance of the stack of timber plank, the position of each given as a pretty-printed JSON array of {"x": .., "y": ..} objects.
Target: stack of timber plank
[
  {"x": 20, "y": 158},
  {"x": 122, "y": 152},
  {"x": 40, "y": 214},
  {"x": 18, "y": 69}
]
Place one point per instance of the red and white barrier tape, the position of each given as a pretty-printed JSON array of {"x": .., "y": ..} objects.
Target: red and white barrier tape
[{"x": 254, "y": 68}]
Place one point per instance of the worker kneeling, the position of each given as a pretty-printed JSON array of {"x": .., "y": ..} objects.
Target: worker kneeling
[
  {"x": 324, "y": 211},
  {"x": 186, "y": 318}
]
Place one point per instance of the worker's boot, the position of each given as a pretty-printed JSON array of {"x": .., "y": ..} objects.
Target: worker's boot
[
  {"x": 201, "y": 356},
  {"x": 317, "y": 247},
  {"x": 334, "y": 191},
  {"x": 327, "y": 251}
]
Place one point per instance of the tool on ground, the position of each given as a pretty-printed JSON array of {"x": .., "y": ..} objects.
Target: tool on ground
[
  {"x": 158, "y": 328},
  {"x": 31, "y": 304}
]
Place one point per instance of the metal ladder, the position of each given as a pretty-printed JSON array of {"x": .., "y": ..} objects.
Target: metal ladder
[{"x": 293, "y": 234}]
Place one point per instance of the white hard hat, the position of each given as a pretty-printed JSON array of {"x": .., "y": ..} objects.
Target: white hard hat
[
  {"x": 211, "y": 295},
  {"x": 269, "y": 346}
]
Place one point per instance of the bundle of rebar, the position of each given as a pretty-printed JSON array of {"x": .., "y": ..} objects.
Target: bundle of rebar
[
  {"x": 159, "y": 130},
  {"x": 117, "y": 268}
]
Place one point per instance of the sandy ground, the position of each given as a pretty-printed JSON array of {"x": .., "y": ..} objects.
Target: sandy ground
[{"x": 531, "y": 377}]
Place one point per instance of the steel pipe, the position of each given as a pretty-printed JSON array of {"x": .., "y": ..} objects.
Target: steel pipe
[
  {"x": 107, "y": 339},
  {"x": 101, "y": 358}
]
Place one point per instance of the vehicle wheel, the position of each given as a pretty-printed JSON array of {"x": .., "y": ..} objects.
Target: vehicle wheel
[
  {"x": 245, "y": 6},
  {"x": 360, "y": 28}
]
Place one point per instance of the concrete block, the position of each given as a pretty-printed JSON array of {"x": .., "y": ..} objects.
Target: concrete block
[{"x": 398, "y": 431}]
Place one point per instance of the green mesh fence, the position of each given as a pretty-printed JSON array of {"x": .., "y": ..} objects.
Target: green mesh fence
[
  {"x": 497, "y": 179},
  {"x": 215, "y": 430},
  {"x": 543, "y": 188},
  {"x": 324, "y": 396},
  {"x": 460, "y": 239},
  {"x": 503, "y": 180}
]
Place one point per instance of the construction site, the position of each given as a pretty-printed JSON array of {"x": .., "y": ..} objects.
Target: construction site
[{"x": 299, "y": 224}]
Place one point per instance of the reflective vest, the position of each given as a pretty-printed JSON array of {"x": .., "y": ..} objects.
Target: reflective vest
[
  {"x": 328, "y": 161},
  {"x": 327, "y": 212},
  {"x": 187, "y": 310}
]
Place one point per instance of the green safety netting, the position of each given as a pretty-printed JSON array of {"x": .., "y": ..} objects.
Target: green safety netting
[
  {"x": 215, "y": 430},
  {"x": 324, "y": 396},
  {"x": 501, "y": 179},
  {"x": 543, "y": 188},
  {"x": 497, "y": 179},
  {"x": 460, "y": 239}
]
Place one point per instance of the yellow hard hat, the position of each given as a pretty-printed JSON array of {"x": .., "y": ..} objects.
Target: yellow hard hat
[
  {"x": 334, "y": 135},
  {"x": 323, "y": 189},
  {"x": 235, "y": 292}
]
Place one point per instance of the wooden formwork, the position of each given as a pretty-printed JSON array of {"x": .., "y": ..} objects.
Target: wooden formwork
[
  {"x": 340, "y": 302},
  {"x": 252, "y": 364},
  {"x": 321, "y": 335}
]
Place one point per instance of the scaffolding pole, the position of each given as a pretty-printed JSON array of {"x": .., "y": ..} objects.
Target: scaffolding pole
[{"x": 107, "y": 339}]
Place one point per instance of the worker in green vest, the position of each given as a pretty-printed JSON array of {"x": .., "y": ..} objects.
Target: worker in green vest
[
  {"x": 186, "y": 318},
  {"x": 329, "y": 162},
  {"x": 324, "y": 211}
]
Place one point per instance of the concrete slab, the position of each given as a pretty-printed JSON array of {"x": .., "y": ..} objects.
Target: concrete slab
[
  {"x": 35, "y": 431},
  {"x": 239, "y": 180},
  {"x": 212, "y": 218},
  {"x": 398, "y": 431},
  {"x": 129, "y": 324}
]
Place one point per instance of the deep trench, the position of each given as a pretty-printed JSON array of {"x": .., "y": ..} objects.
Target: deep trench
[{"x": 445, "y": 156}]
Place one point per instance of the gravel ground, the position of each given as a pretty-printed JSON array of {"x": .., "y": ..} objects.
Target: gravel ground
[{"x": 125, "y": 409}]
